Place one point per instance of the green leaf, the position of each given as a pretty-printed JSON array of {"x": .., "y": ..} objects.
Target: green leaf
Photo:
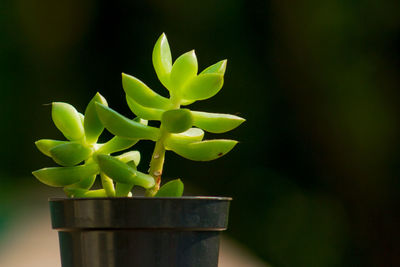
[
  {"x": 177, "y": 120},
  {"x": 70, "y": 154},
  {"x": 202, "y": 151},
  {"x": 121, "y": 172},
  {"x": 92, "y": 124},
  {"x": 85, "y": 183},
  {"x": 142, "y": 111},
  {"x": 45, "y": 145},
  {"x": 185, "y": 102},
  {"x": 130, "y": 156},
  {"x": 173, "y": 188},
  {"x": 83, "y": 193},
  {"x": 189, "y": 136},
  {"x": 107, "y": 184},
  {"x": 216, "y": 122},
  {"x": 62, "y": 176},
  {"x": 218, "y": 67},
  {"x": 67, "y": 120},
  {"x": 116, "y": 144},
  {"x": 123, "y": 190},
  {"x": 183, "y": 70},
  {"x": 142, "y": 94},
  {"x": 203, "y": 86},
  {"x": 124, "y": 127},
  {"x": 162, "y": 60}
]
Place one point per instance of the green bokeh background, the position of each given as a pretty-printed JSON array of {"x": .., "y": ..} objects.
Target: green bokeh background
[{"x": 315, "y": 178}]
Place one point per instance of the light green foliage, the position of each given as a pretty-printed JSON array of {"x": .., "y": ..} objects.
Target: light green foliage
[
  {"x": 181, "y": 131},
  {"x": 173, "y": 188}
]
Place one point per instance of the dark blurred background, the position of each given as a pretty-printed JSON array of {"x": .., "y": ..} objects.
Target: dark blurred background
[{"x": 315, "y": 178}]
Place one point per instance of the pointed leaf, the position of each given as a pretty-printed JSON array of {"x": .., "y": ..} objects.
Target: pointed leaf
[
  {"x": 67, "y": 120},
  {"x": 183, "y": 70},
  {"x": 216, "y": 122},
  {"x": 116, "y": 144},
  {"x": 162, "y": 60},
  {"x": 133, "y": 156},
  {"x": 44, "y": 145},
  {"x": 218, "y": 67},
  {"x": 70, "y": 154},
  {"x": 173, "y": 188},
  {"x": 121, "y": 172},
  {"x": 124, "y": 127},
  {"x": 203, "y": 86},
  {"x": 202, "y": 151},
  {"x": 142, "y": 94},
  {"x": 83, "y": 193},
  {"x": 62, "y": 176},
  {"x": 92, "y": 124},
  {"x": 84, "y": 183},
  {"x": 142, "y": 111},
  {"x": 177, "y": 120},
  {"x": 189, "y": 136}
]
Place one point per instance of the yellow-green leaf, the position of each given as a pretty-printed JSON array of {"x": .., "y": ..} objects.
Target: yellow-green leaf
[
  {"x": 173, "y": 188},
  {"x": 177, "y": 120},
  {"x": 92, "y": 124},
  {"x": 70, "y": 154},
  {"x": 203, "y": 86},
  {"x": 218, "y": 67},
  {"x": 44, "y": 145},
  {"x": 144, "y": 112},
  {"x": 183, "y": 70},
  {"x": 216, "y": 122},
  {"x": 162, "y": 60},
  {"x": 67, "y": 120}
]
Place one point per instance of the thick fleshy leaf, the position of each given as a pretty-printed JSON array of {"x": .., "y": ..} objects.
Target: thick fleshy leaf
[
  {"x": 124, "y": 127},
  {"x": 183, "y": 70},
  {"x": 133, "y": 156},
  {"x": 70, "y": 154},
  {"x": 144, "y": 112},
  {"x": 218, "y": 67},
  {"x": 203, "y": 86},
  {"x": 185, "y": 102},
  {"x": 121, "y": 172},
  {"x": 177, "y": 120},
  {"x": 202, "y": 151},
  {"x": 84, "y": 193},
  {"x": 189, "y": 136},
  {"x": 107, "y": 184},
  {"x": 173, "y": 188},
  {"x": 85, "y": 183},
  {"x": 162, "y": 60},
  {"x": 116, "y": 144},
  {"x": 45, "y": 145},
  {"x": 63, "y": 176},
  {"x": 123, "y": 190},
  {"x": 67, "y": 120},
  {"x": 92, "y": 124},
  {"x": 216, "y": 122},
  {"x": 142, "y": 94}
]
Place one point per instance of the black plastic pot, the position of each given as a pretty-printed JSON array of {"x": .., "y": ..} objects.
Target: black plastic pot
[{"x": 139, "y": 231}]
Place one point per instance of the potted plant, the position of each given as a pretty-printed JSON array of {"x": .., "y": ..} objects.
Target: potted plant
[{"x": 109, "y": 226}]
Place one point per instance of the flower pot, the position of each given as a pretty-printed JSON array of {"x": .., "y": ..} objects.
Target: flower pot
[{"x": 139, "y": 231}]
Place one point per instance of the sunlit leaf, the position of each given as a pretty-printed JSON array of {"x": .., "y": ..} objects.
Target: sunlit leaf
[
  {"x": 44, "y": 145},
  {"x": 142, "y": 94},
  {"x": 218, "y": 67},
  {"x": 62, "y": 176},
  {"x": 177, "y": 120},
  {"x": 121, "y": 172},
  {"x": 203, "y": 86},
  {"x": 216, "y": 122},
  {"x": 173, "y": 188},
  {"x": 107, "y": 184},
  {"x": 92, "y": 124},
  {"x": 124, "y": 127},
  {"x": 133, "y": 156},
  {"x": 70, "y": 154},
  {"x": 162, "y": 60},
  {"x": 144, "y": 112},
  {"x": 67, "y": 120},
  {"x": 183, "y": 70},
  {"x": 189, "y": 136},
  {"x": 203, "y": 150}
]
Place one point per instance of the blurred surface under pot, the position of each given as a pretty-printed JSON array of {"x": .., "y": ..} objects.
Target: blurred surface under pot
[{"x": 140, "y": 231}]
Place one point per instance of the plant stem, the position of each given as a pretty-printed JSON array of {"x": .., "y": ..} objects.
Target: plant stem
[{"x": 158, "y": 157}]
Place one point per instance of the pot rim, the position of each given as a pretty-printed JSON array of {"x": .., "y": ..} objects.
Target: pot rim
[{"x": 144, "y": 198}]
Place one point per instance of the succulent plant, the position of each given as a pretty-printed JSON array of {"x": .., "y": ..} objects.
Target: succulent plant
[{"x": 181, "y": 131}]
